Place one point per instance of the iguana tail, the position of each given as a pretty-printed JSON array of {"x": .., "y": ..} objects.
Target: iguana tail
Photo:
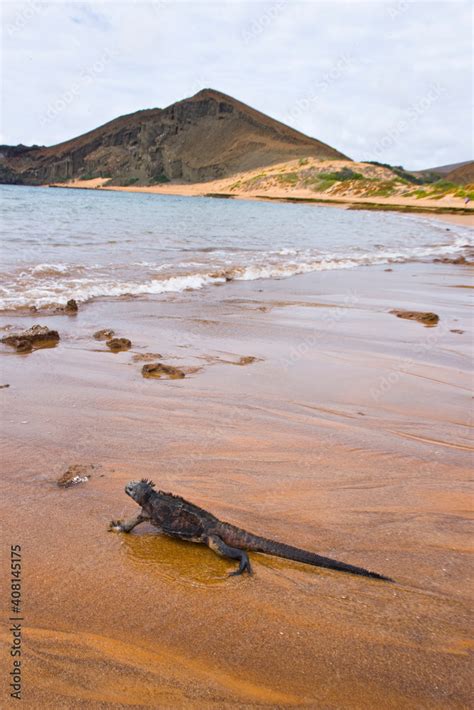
[{"x": 254, "y": 543}]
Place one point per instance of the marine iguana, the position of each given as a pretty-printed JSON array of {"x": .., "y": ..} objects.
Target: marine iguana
[{"x": 178, "y": 518}]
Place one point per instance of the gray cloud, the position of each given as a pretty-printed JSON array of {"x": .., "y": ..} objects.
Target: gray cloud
[{"x": 380, "y": 80}]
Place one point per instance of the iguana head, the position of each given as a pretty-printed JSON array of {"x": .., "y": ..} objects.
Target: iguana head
[{"x": 139, "y": 490}]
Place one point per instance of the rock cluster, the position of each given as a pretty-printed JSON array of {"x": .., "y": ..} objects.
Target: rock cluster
[{"x": 38, "y": 336}]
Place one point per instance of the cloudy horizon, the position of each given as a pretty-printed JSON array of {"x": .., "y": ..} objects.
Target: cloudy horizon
[{"x": 377, "y": 80}]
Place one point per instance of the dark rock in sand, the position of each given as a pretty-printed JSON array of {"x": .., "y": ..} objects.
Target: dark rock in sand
[
  {"x": 426, "y": 318},
  {"x": 71, "y": 306},
  {"x": 104, "y": 334},
  {"x": 157, "y": 370},
  {"x": 450, "y": 260},
  {"x": 69, "y": 309},
  {"x": 457, "y": 330},
  {"x": 75, "y": 474},
  {"x": 247, "y": 360},
  {"x": 118, "y": 344},
  {"x": 388, "y": 269},
  {"x": 2, "y": 387},
  {"x": 39, "y": 336}
]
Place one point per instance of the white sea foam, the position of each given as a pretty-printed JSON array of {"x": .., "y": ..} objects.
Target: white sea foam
[
  {"x": 47, "y": 269},
  {"x": 61, "y": 282}
]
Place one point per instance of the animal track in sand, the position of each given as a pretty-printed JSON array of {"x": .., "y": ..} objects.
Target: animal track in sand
[
  {"x": 139, "y": 357},
  {"x": 243, "y": 360},
  {"x": 266, "y": 306}
]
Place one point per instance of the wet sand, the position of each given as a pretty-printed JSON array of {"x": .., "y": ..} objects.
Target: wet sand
[{"x": 349, "y": 436}]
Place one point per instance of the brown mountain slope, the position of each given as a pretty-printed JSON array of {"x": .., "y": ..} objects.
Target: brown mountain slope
[
  {"x": 208, "y": 136},
  {"x": 459, "y": 173},
  {"x": 462, "y": 175}
]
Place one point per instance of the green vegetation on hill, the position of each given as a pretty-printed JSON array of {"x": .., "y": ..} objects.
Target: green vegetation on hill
[
  {"x": 361, "y": 180},
  {"x": 405, "y": 175},
  {"x": 126, "y": 181},
  {"x": 159, "y": 179}
]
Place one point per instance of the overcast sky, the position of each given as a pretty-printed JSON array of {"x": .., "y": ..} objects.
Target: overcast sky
[{"x": 388, "y": 81}]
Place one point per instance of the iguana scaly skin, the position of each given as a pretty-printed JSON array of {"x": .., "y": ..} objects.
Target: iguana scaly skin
[{"x": 178, "y": 518}]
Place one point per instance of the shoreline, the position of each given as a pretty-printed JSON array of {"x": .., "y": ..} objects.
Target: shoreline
[
  {"x": 331, "y": 439},
  {"x": 456, "y": 215},
  {"x": 36, "y": 293},
  {"x": 287, "y": 182}
]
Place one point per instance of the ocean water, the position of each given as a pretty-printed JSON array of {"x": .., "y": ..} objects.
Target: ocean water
[{"x": 61, "y": 244}]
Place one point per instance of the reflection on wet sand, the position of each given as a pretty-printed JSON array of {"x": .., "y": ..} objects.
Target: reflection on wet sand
[{"x": 180, "y": 562}]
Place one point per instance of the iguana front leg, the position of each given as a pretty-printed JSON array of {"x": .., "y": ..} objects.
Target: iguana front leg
[
  {"x": 128, "y": 525},
  {"x": 219, "y": 546}
]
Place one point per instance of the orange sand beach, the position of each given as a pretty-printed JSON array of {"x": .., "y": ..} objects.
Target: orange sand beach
[{"x": 349, "y": 435}]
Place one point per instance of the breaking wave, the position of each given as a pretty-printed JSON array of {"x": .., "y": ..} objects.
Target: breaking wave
[{"x": 49, "y": 284}]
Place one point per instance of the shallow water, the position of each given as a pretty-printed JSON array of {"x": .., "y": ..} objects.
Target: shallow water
[{"x": 82, "y": 244}]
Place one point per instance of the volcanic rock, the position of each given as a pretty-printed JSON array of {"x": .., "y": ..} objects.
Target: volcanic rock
[
  {"x": 157, "y": 370},
  {"x": 424, "y": 317},
  {"x": 118, "y": 344},
  {"x": 38, "y": 336},
  {"x": 451, "y": 260},
  {"x": 75, "y": 474},
  {"x": 104, "y": 334}
]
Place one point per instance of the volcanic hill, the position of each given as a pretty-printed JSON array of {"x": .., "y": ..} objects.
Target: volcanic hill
[{"x": 208, "y": 136}]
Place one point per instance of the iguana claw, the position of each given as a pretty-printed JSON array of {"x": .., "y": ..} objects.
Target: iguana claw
[
  {"x": 243, "y": 567},
  {"x": 115, "y": 526}
]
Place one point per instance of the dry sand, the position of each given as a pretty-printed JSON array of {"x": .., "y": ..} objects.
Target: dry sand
[{"x": 350, "y": 436}]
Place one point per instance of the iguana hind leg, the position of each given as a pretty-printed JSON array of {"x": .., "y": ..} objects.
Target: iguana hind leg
[
  {"x": 219, "y": 546},
  {"x": 128, "y": 525}
]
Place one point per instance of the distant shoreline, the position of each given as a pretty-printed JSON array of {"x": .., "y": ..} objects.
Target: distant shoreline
[{"x": 463, "y": 216}]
